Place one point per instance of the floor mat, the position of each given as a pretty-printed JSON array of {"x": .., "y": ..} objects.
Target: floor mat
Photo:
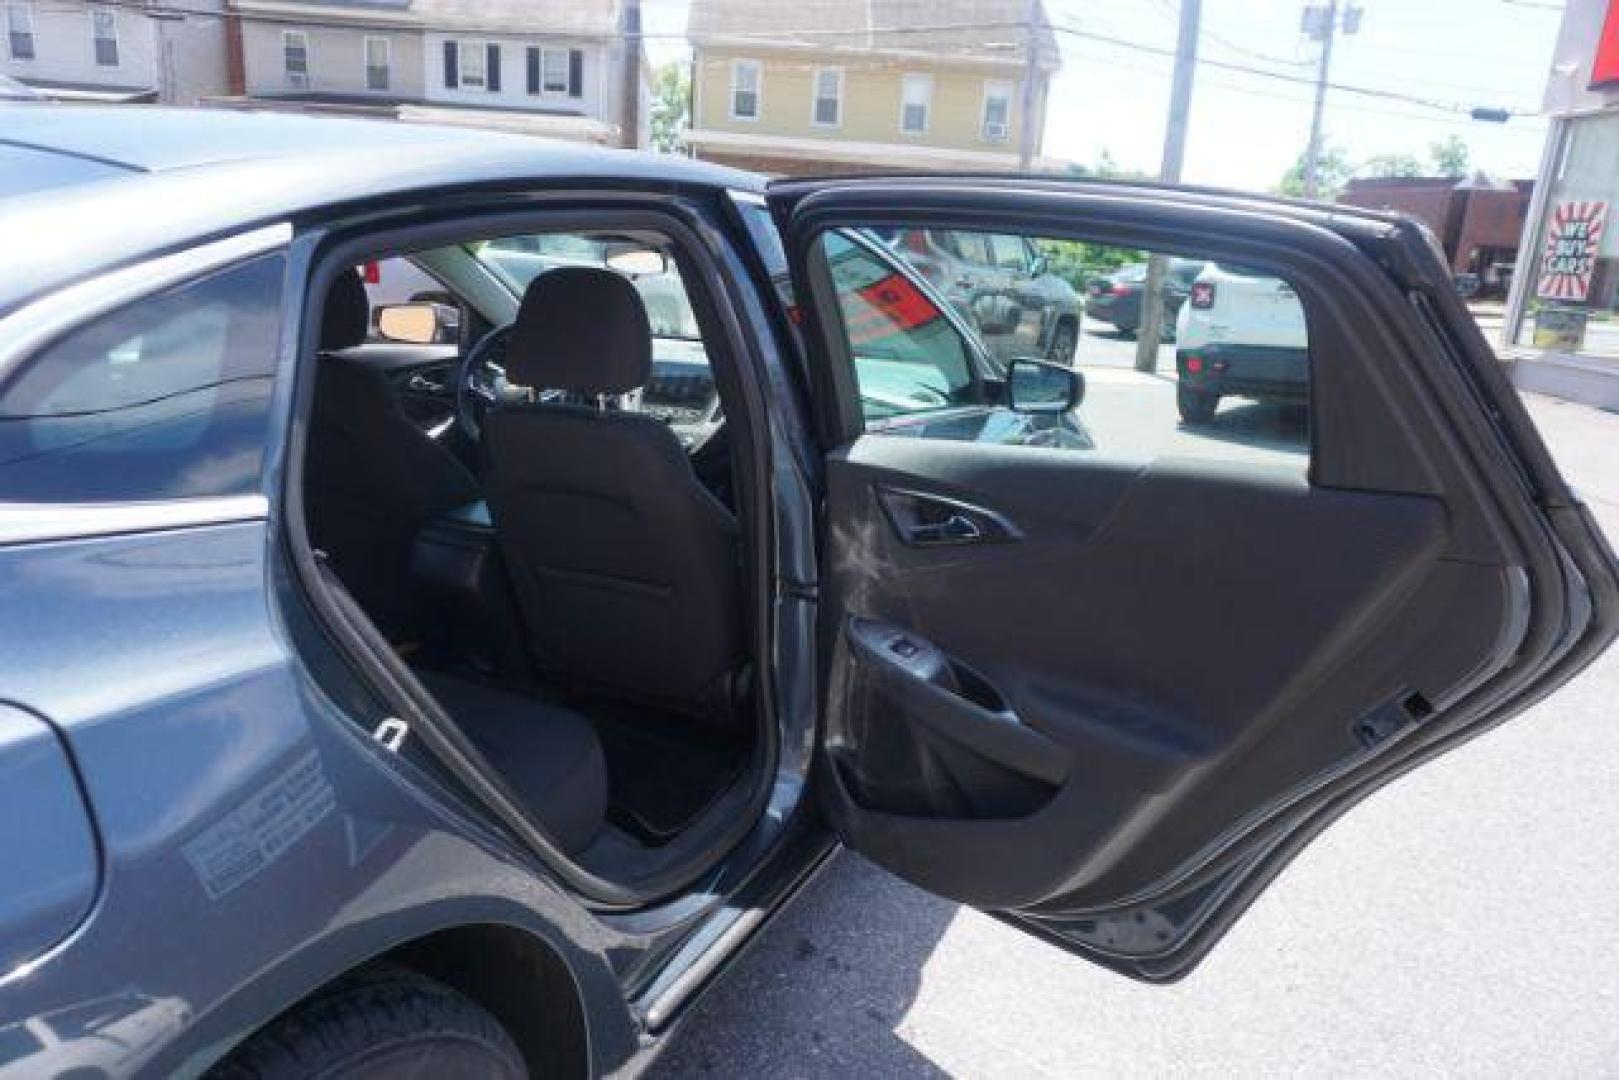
[{"x": 661, "y": 771}]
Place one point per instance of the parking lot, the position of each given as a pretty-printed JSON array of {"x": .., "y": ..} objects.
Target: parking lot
[{"x": 1461, "y": 922}]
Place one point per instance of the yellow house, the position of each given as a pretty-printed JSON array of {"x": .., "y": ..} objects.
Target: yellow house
[{"x": 868, "y": 85}]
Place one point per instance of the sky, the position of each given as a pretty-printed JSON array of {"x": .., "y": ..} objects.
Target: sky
[{"x": 1246, "y": 130}]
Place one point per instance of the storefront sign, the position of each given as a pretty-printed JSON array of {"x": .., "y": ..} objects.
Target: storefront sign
[
  {"x": 1605, "y": 64},
  {"x": 1572, "y": 238}
]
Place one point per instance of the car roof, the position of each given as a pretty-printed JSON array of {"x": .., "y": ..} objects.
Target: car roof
[{"x": 106, "y": 185}]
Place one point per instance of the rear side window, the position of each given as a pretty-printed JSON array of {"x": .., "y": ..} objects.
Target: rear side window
[{"x": 165, "y": 398}]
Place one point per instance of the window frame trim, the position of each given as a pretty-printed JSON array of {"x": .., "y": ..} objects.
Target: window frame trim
[
  {"x": 815, "y": 97},
  {"x": 96, "y": 39},
  {"x": 990, "y": 88},
  {"x": 287, "y": 74},
  {"x": 32, "y": 33},
  {"x": 737, "y": 63},
  {"x": 365, "y": 62},
  {"x": 40, "y": 323},
  {"x": 567, "y": 65},
  {"x": 463, "y": 46},
  {"x": 927, "y": 106}
]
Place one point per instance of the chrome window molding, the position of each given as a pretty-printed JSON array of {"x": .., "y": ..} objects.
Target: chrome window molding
[
  {"x": 28, "y": 523},
  {"x": 36, "y": 324}
]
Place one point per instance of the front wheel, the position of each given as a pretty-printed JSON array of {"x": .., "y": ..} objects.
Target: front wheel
[
  {"x": 381, "y": 1023},
  {"x": 1196, "y": 406}
]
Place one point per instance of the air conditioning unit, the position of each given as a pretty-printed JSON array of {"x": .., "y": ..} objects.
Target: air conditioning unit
[
  {"x": 298, "y": 79},
  {"x": 995, "y": 132}
]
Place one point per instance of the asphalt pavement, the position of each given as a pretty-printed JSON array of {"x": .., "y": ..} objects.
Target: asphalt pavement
[{"x": 1461, "y": 922}]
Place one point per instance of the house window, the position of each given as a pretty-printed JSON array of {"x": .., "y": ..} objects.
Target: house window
[
  {"x": 827, "y": 109},
  {"x": 104, "y": 33},
  {"x": 473, "y": 56},
  {"x": 746, "y": 80},
  {"x": 295, "y": 57},
  {"x": 377, "y": 51},
  {"x": 554, "y": 71},
  {"x": 20, "y": 31},
  {"x": 916, "y": 101},
  {"x": 997, "y": 111}
]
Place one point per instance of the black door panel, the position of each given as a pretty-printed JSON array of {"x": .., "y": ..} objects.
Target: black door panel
[{"x": 1155, "y": 626}]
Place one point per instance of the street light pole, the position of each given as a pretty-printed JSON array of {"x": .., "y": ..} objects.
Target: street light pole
[
  {"x": 1027, "y": 135},
  {"x": 1180, "y": 111},
  {"x": 1328, "y": 23}
]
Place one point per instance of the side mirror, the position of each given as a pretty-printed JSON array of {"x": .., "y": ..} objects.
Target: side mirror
[
  {"x": 1039, "y": 265},
  {"x": 420, "y": 322},
  {"x": 1038, "y": 386}
]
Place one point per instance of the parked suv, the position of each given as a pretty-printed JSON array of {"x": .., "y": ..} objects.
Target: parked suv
[
  {"x": 1001, "y": 283},
  {"x": 1242, "y": 334},
  {"x": 477, "y": 737}
]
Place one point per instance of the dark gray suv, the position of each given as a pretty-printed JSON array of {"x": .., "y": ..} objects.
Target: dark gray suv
[{"x": 389, "y": 689}]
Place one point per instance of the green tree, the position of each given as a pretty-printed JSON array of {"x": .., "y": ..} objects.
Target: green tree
[
  {"x": 671, "y": 108},
  {"x": 1391, "y": 165},
  {"x": 1079, "y": 262},
  {"x": 1450, "y": 156},
  {"x": 1333, "y": 170}
]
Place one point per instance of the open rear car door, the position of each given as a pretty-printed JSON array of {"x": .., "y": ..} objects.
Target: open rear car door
[{"x": 1107, "y": 696}]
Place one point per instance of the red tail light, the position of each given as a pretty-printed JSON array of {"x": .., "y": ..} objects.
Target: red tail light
[
  {"x": 1202, "y": 294},
  {"x": 372, "y": 273},
  {"x": 1194, "y": 365}
]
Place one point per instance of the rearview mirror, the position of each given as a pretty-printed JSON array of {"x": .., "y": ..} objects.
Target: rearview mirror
[
  {"x": 638, "y": 262},
  {"x": 1038, "y": 386},
  {"x": 417, "y": 323}
]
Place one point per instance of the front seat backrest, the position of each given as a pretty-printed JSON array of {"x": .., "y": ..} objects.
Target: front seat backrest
[
  {"x": 372, "y": 478},
  {"x": 626, "y": 568}
]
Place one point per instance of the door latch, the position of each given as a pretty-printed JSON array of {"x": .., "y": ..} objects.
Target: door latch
[{"x": 391, "y": 733}]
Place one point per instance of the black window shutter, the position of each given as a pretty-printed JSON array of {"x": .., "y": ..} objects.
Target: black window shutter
[
  {"x": 494, "y": 68},
  {"x": 576, "y": 72},
  {"x": 452, "y": 66},
  {"x": 533, "y": 70}
]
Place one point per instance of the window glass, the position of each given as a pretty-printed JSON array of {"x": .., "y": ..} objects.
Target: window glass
[
  {"x": 376, "y": 63},
  {"x": 104, "y": 29},
  {"x": 472, "y": 63},
  {"x": 20, "y": 31},
  {"x": 295, "y": 54},
  {"x": 1232, "y": 374},
  {"x": 916, "y": 98},
  {"x": 554, "y": 71},
  {"x": 909, "y": 357},
  {"x": 745, "y": 89},
  {"x": 166, "y": 398},
  {"x": 997, "y": 110},
  {"x": 828, "y": 96}
]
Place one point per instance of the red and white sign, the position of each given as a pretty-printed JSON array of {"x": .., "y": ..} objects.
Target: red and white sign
[
  {"x": 1572, "y": 238},
  {"x": 1605, "y": 61}
]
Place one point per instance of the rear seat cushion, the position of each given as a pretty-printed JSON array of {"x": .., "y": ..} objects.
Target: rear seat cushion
[{"x": 550, "y": 757}]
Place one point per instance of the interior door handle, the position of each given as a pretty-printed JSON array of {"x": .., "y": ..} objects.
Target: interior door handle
[
  {"x": 923, "y": 519},
  {"x": 956, "y": 529}
]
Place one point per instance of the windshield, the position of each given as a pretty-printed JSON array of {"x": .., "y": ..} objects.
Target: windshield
[{"x": 518, "y": 260}]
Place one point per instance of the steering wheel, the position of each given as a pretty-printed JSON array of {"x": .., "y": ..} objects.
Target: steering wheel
[{"x": 481, "y": 381}]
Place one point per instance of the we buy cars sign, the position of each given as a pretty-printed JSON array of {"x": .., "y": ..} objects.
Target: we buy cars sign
[{"x": 1572, "y": 238}]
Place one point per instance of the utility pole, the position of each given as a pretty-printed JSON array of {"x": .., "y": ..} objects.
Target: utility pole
[
  {"x": 1180, "y": 110},
  {"x": 629, "y": 117},
  {"x": 1031, "y": 73},
  {"x": 1321, "y": 22}
]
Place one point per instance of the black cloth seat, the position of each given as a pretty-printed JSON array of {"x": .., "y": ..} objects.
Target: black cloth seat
[
  {"x": 550, "y": 757},
  {"x": 626, "y": 567},
  {"x": 372, "y": 478}
]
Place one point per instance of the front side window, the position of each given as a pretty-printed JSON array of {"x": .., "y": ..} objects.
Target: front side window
[
  {"x": 295, "y": 57},
  {"x": 166, "y": 398},
  {"x": 104, "y": 32},
  {"x": 376, "y": 63},
  {"x": 828, "y": 104},
  {"x": 20, "y": 31},
  {"x": 997, "y": 111},
  {"x": 745, "y": 89},
  {"x": 916, "y": 99}
]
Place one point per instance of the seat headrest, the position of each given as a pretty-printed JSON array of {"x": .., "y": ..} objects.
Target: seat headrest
[
  {"x": 346, "y": 320},
  {"x": 582, "y": 329}
]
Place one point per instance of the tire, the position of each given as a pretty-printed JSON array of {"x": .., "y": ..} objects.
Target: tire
[
  {"x": 1196, "y": 406},
  {"x": 1064, "y": 343},
  {"x": 380, "y": 1023}
]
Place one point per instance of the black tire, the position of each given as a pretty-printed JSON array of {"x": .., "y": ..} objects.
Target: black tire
[
  {"x": 1196, "y": 406},
  {"x": 1064, "y": 343},
  {"x": 380, "y": 1023}
]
